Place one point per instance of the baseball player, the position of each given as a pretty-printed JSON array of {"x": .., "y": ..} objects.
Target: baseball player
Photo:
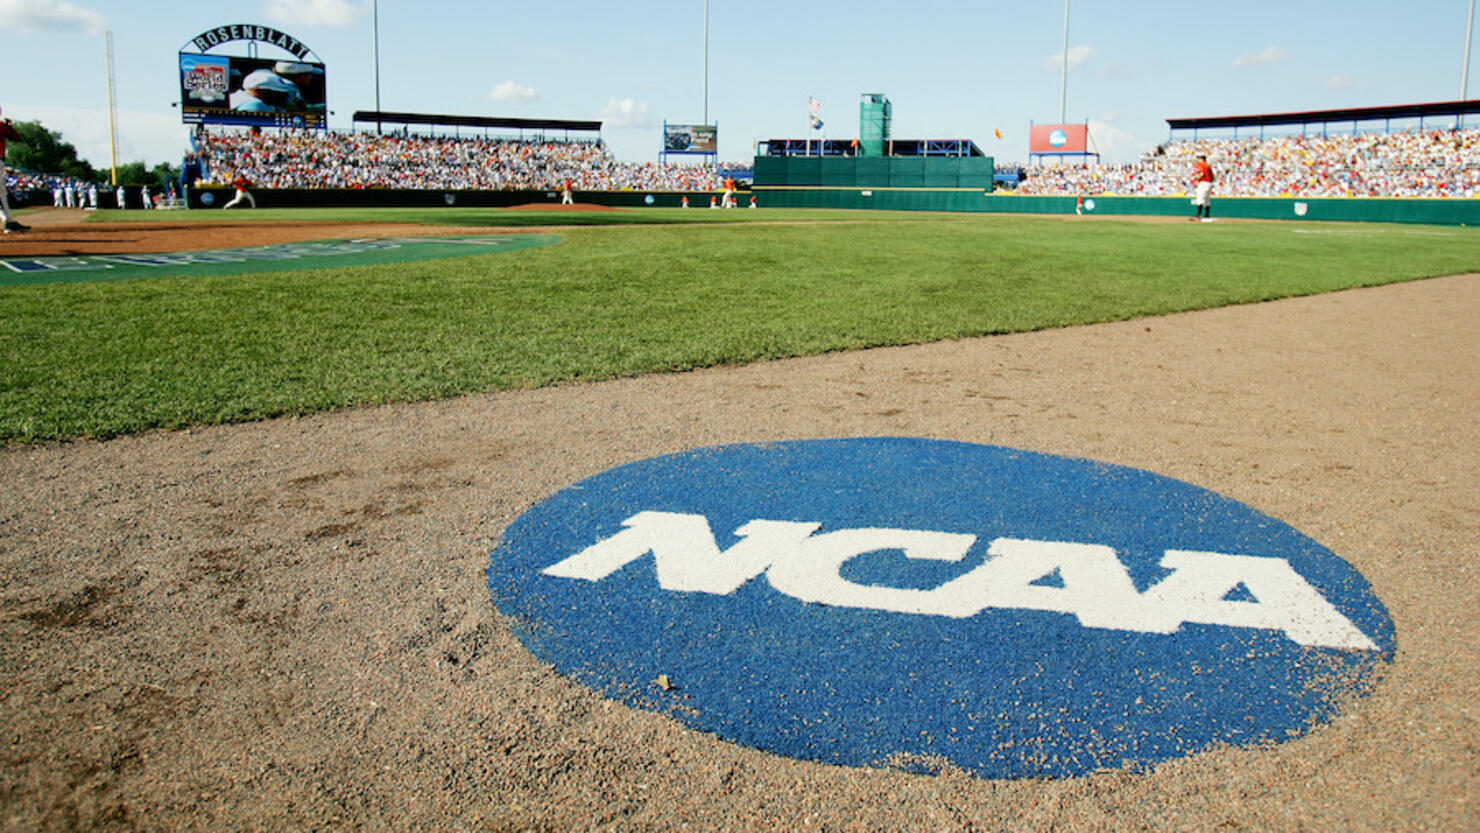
[
  {"x": 264, "y": 91},
  {"x": 243, "y": 191},
  {"x": 8, "y": 134},
  {"x": 1202, "y": 183},
  {"x": 308, "y": 81}
]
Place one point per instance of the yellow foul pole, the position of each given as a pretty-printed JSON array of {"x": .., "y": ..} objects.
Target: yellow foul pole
[{"x": 112, "y": 111}]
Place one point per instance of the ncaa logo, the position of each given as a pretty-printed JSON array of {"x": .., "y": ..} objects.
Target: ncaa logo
[
  {"x": 1058, "y": 138},
  {"x": 907, "y": 602}
]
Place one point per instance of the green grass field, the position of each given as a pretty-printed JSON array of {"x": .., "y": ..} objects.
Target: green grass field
[{"x": 633, "y": 292}]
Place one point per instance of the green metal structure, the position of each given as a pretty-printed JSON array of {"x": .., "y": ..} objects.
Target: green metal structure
[{"x": 874, "y": 115}]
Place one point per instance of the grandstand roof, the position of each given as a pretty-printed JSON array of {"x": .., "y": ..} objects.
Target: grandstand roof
[
  {"x": 1353, "y": 114},
  {"x": 849, "y": 147},
  {"x": 385, "y": 117}
]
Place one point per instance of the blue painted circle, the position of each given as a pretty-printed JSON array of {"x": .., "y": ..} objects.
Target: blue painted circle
[
  {"x": 1009, "y": 691},
  {"x": 1058, "y": 138}
]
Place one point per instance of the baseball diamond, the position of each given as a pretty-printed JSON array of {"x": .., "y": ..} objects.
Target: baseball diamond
[
  {"x": 285, "y": 608},
  {"x": 583, "y": 423}
]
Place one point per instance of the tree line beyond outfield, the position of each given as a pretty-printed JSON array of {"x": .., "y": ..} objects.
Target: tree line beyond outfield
[{"x": 42, "y": 160}]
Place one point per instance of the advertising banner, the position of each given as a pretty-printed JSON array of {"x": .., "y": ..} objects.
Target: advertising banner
[
  {"x": 1059, "y": 138},
  {"x": 229, "y": 89},
  {"x": 690, "y": 138}
]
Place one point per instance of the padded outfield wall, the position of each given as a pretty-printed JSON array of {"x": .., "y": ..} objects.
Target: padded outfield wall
[
  {"x": 935, "y": 172},
  {"x": 965, "y": 184},
  {"x": 1345, "y": 209},
  {"x": 1435, "y": 211},
  {"x": 911, "y": 183}
]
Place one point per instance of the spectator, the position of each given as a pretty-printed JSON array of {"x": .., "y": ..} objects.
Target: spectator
[
  {"x": 314, "y": 159},
  {"x": 1430, "y": 163}
]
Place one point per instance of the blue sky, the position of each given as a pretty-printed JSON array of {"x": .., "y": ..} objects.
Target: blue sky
[{"x": 956, "y": 69}]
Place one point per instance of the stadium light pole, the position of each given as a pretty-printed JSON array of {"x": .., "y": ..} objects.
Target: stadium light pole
[
  {"x": 1464, "y": 74},
  {"x": 1064, "y": 76},
  {"x": 375, "y": 32},
  {"x": 706, "y": 61}
]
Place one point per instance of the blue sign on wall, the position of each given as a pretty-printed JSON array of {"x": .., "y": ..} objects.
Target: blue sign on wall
[{"x": 906, "y": 602}]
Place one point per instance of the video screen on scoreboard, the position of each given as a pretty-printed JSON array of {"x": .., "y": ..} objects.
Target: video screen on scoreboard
[
  {"x": 690, "y": 138},
  {"x": 1064, "y": 139},
  {"x": 226, "y": 89}
]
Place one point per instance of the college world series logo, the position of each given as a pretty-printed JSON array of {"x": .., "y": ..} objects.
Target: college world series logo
[{"x": 918, "y": 603}]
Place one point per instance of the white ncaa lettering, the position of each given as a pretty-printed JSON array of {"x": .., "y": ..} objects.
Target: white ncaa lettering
[
  {"x": 811, "y": 572},
  {"x": 1094, "y": 584},
  {"x": 685, "y": 552},
  {"x": 1285, "y": 601}
]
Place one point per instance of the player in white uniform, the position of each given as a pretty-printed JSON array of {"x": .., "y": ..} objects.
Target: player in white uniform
[{"x": 7, "y": 134}]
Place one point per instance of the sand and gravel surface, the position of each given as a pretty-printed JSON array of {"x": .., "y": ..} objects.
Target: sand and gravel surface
[
  {"x": 286, "y": 624},
  {"x": 70, "y": 232}
]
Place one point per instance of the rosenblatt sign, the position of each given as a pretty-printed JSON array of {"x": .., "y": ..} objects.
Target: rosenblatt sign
[{"x": 212, "y": 38}]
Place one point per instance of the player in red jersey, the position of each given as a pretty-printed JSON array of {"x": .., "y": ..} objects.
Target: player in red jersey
[{"x": 1202, "y": 185}]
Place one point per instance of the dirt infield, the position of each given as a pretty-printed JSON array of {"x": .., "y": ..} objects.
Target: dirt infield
[
  {"x": 286, "y": 624},
  {"x": 63, "y": 232}
]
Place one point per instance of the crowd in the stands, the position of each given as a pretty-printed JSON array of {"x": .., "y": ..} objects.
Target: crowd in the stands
[
  {"x": 1420, "y": 163},
  {"x": 1428, "y": 163},
  {"x": 318, "y": 159}
]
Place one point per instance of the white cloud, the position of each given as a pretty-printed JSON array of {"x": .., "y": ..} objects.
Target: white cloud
[
  {"x": 331, "y": 13},
  {"x": 49, "y": 16},
  {"x": 1340, "y": 83},
  {"x": 513, "y": 91},
  {"x": 1268, "y": 55},
  {"x": 1111, "y": 142},
  {"x": 1078, "y": 57},
  {"x": 1120, "y": 72},
  {"x": 626, "y": 112}
]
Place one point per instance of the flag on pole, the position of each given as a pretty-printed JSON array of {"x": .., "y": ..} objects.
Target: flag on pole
[
  {"x": 998, "y": 131},
  {"x": 813, "y": 107}
]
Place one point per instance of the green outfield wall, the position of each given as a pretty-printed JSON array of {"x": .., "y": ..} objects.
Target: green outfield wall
[
  {"x": 1351, "y": 209},
  {"x": 933, "y": 172},
  {"x": 888, "y": 198}
]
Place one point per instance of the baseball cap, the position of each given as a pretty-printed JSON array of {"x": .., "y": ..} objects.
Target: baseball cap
[{"x": 264, "y": 79}]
